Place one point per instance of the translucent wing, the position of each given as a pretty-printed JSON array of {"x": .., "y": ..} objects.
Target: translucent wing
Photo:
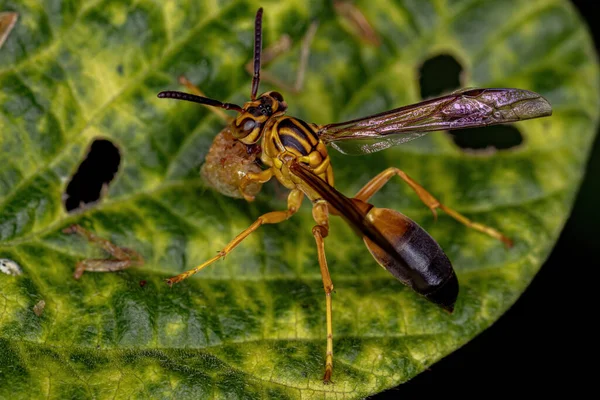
[{"x": 468, "y": 108}]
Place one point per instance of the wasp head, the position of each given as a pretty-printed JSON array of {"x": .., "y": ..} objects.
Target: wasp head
[{"x": 249, "y": 124}]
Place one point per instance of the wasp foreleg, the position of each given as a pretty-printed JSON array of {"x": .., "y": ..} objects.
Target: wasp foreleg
[
  {"x": 260, "y": 177},
  {"x": 274, "y": 217},
  {"x": 375, "y": 184}
]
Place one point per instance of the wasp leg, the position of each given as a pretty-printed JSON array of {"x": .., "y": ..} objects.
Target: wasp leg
[
  {"x": 123, "y": 257},
  {"x": 380, "y": 180},
  {"x": 283, "y": 45},
  {"x": 196, "y": 90},
  {"x": 320, "y": 231},
  {"x": 274, "y": 217},
  {"x": 250, "y": 177}
]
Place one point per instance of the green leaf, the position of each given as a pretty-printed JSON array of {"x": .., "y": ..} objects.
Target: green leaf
[{"x": 253, "y": 326}]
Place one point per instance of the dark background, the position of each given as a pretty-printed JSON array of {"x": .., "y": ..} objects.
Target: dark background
[
  {"x": 544, "y": 340},
  {"x": 547, "y": 339}
]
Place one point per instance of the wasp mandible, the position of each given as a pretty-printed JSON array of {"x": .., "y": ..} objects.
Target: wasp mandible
[{"x": 295, "y": 153}]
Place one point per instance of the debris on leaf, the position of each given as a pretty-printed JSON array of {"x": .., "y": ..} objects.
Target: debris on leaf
[
  {"x": 7, "y": 23},
  {"x": 357, "y": 22},
  {"x": 123, "y": 257},
  {"x": 9, "y": 267},
  {"x": 38, "y": 309}
]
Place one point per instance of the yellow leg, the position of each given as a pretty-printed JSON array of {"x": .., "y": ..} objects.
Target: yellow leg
[
  {"x": 320, "y": 231},
  {"x": 196, "y": 90},
  {"x": 261, "y": 177},
  {"x": 123, "y": 257},
  {"x": 380, "y": 180},
  {"x": 294, "y": 201}
]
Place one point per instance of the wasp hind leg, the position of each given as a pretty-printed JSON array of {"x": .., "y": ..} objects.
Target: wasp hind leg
[
  {"x": 375, "y": 184},
  {"x": 320, "y": 231},
  {"x": 274, "y": 217},
  {"x": 123, "y": 257}
]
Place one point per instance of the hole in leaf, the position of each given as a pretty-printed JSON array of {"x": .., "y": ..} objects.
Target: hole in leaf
[
  {"x": 499, "y": 137},
  {"x": 97, "y": 170},
  {"x": 439, "y": 75}
]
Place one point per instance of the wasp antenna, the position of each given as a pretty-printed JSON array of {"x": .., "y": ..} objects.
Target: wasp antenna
[
  {"x": 173, "y": 94},
  {"x": 257, "y": 51}
]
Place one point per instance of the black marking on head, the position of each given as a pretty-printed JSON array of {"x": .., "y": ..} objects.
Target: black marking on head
[
  {"x": 265, "y": 106},
  {"x": 277, "y": 96},
  {"x": 254, "y": 111}
]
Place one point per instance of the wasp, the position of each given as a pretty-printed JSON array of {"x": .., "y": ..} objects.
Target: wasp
[{"x": 295, "y": 152}]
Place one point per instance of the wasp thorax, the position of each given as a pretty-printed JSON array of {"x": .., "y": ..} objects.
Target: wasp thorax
[{"x": 248, "y": 125}]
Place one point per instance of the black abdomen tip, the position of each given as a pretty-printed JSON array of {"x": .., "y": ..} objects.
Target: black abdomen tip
[{"x": 445, "y": 296}]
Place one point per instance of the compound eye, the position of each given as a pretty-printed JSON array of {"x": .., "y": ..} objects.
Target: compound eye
[{"x": 249, "y": 125}]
